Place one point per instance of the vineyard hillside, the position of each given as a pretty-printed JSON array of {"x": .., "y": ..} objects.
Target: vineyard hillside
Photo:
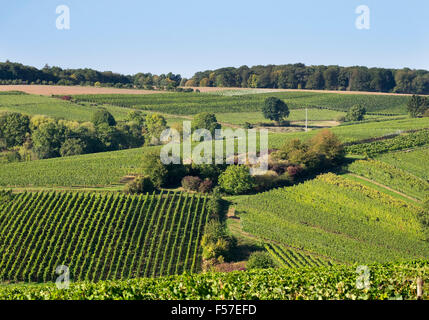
[
  {"x": 337, "y": 218},
  {"x": 100, "y": 236}
]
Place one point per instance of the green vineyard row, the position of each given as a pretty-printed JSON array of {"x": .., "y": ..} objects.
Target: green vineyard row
[
  {"x": 385, "y": 281},
  {"x": 100, "y": 236},
  {"x": 288, "y": 258}
]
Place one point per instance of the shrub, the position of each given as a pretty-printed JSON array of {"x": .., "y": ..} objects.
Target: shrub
[
  {"x": 103, "y": 116},
  {"x": 191, "y": 183},
  {"x": 72, "y": 147},
  {"x": 141, "y": 184},
  {"x": 154, "y": 168},
  {"x": 356, "y": 113},
  {"x": 260, "y": 260},
  {"x": 236, "y": 179},
  {"x": 205, "y": 186},
  {"x": 294, "y": 170},
  {"x": 216, "y": 243}
]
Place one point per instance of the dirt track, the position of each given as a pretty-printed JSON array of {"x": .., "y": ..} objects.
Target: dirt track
[{"x": 71, "y": 90}]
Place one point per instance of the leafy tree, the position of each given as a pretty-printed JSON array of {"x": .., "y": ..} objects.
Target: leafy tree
[
  {"x": 109, "y": 137},
  {"x": 155, "y": 125},
  {"x": 275, "y": 109},
  {"x": 48, "y": 139},
  {"x": 356, "y": 113},
  {"x": 72, "y": 147},
  {"x": 417, "y": 106},
  {"x": 236, "y": 179},
  {"x": 327, "y": 144},
  {"x": 13, "y": 128},
  {"x": 137, "y": 117},
  {"x": 102, "y": 116},
  {"x": 154, "y": 168},
  {"x": 207, "y": 121}
]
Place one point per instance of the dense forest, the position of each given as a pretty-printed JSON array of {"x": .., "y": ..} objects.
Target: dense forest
[
  {"x": 300, "y": 76},
  {"x": 291, "y": 76}
]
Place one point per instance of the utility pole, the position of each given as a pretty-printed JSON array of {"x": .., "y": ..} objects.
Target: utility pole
[{"x": 306, "y": 119}]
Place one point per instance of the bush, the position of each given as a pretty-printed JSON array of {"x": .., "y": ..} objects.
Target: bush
[
  {"x": 141, "y": 184},
  {"x": 356, "y": 113},
  {"x": 191, "y": 183},
  {"x": 236, "y": 179},
  {"x": 205, "y": 186},
  {"x": 72, "y": 147},
  {"x": 154, "y": 168},
  {"x": 260, "y": 260},
  {"x": 103, "y": 116},
  {"x": 216, "y": 243}
]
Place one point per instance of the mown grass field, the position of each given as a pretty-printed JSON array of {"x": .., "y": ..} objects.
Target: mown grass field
[
  {"x": 338, "y": 218},
  {"x": 100, "y": 236}
]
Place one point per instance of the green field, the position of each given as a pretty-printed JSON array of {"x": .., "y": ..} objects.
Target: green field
[
  {"x": 99, "y": 236},
  {"x": 55, "y": 108},
  {"x": 192, "y": 103},
  {"x": 413, "y": 161},
  {"x": 391, "y": 176},
  {"x": 357, "y": 132},
  {"x": 337, "y": 218}
]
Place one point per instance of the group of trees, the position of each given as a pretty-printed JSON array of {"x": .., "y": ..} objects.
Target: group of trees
[
  {"x": 323, "y": 151},
  {"x": 300, "y": 76},
  {"x": 291, "y": 76},
  {"x": 16, "y": 73},
  {"x": 41, "y": 137}
]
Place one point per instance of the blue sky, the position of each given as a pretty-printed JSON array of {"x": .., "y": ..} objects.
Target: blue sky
[{"x": 131, "y": 36}]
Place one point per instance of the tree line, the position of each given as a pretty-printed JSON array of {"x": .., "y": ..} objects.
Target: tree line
[
  {"x": 300, "y": 76},
  {"x": 290, "y": 76},
  {"x": 16, "y": 73}
]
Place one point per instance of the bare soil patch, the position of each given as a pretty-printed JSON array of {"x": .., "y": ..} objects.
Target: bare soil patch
[{"x": 72, "y": 90}]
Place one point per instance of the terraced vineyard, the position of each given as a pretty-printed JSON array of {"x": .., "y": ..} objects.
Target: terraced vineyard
[
  {"x": 410, "y": 161},
  {"x": 401, "y": 142},
  {"x": 288, "y": 258},
  {"x": 391, "y": 176},
  {"x": 335, "y": 217},
  {"x": 100, "y": 236}
]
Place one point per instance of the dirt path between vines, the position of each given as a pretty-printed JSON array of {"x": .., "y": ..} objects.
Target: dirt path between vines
[{"x": 385, "y": 187}]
